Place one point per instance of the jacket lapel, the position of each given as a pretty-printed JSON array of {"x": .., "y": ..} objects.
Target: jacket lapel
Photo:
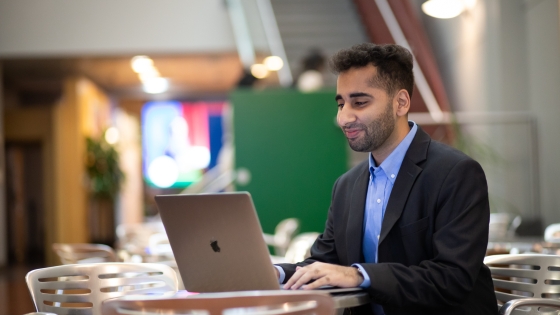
[
  {"x": 408, "y": 173},
  {"x": 354, "y": 230}
]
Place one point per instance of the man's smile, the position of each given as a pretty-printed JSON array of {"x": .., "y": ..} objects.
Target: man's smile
[{"x": 352, "y": 131}]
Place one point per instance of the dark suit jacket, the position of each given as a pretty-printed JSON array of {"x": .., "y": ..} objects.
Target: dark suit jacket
[{"x": 433, "y": 236}]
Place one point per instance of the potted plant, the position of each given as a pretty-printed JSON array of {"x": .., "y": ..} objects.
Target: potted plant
[{"x": 105, "y": 179}]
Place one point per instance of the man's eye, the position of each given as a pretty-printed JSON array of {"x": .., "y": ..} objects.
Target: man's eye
[
  {"x": 360, "y": 103},
  {"x": 340, "y": 105}
]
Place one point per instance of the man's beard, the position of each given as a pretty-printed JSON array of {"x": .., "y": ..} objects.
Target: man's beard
[{"x": 376, "y": 133}]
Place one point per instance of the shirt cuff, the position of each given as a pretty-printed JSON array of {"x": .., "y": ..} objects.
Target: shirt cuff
[
  {"x": 367, "y": 282},
  {"x": 282, "y": 274}
]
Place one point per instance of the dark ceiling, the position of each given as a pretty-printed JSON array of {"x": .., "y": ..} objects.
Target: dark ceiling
[{"x": 38, "y": 81}]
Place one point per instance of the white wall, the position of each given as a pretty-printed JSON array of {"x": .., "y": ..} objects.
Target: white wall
[
  {"x": 504, "y": 57},
  {"x": 543, "y": 44},
  {"x": 105, "y": 27}
]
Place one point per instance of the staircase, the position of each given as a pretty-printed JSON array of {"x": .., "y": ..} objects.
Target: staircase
[{"x": 329, "y": 25}]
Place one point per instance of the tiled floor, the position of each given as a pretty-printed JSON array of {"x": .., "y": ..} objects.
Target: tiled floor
[{"x": 14, "y": 295}]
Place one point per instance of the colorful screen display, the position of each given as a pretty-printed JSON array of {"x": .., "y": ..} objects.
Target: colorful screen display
[{"x": 180, "y": 141}]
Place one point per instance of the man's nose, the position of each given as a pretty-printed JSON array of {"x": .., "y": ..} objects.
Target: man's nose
[{"x": 345, "y": 115}]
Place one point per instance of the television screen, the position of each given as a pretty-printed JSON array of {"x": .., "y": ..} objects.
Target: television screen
[{"x": 180, "y": 141}]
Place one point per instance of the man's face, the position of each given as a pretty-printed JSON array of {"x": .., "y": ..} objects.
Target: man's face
[{"x": 365, "y": 113}]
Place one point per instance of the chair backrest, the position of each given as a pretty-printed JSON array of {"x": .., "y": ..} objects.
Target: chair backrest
[
  {"x": 158, "y": 245},
  {"x": 80, "y": 289},
  {"x": 283, "y": 234},
  {"x": 300, "y": 247},
  {"x": 502, "y": 225},
  {"x": 525, "y": 275},
  {"x": 552, "y": 233},
  {"x": 135, "y": 238},
  {"x": 79, "y": 253},
  {"x": 244, "y": 302}
]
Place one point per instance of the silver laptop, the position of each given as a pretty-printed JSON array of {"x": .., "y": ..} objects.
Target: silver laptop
[{"x": 217, "y": 242}]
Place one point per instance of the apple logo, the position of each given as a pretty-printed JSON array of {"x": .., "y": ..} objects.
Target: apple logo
[{"x": 214, "y": 245}]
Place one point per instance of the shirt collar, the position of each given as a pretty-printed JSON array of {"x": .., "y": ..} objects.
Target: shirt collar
[{"x": 392, "y": 163}]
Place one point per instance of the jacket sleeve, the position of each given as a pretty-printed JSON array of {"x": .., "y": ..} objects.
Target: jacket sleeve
[{"x": 459, "y": 244}]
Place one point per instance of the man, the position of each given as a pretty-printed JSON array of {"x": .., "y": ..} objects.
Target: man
[{"x": 410, "y": 225}]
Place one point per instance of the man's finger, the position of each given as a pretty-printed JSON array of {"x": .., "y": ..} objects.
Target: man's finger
[
  {"x": 310, "y": 273},
  {"x": 299, "y": 272},
  {"x": 316, "y": 284}
]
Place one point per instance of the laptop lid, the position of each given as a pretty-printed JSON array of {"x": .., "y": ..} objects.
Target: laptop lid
[{"x": 217, "y": 242}]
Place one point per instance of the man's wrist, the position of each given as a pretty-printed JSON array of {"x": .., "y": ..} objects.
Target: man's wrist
[
  {"x": 366, "y": 282},
  {"x": 359, "y": 274},
  {"x": 281, "y": 274}
]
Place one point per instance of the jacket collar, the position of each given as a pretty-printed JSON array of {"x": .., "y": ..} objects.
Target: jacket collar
[{"x": 409, "y": 171}]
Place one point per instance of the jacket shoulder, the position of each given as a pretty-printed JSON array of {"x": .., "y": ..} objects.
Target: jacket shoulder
[{"x": 444, "y": 154}]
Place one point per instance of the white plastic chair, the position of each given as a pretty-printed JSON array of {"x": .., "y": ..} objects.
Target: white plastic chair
[
  {"x": 502, "y": 225},
  {"x": 79, "y": 289},
  {"x": 526, "y": 280},
  {"x": 83, "y": 253},
  {"x": 227, "y": 303},
  {"x": 552, "y": 233},
  {"x": 158, "y": 245},
  {"x": 300, "y": 247},
  {"x": 283, "y": 234},
  {"x": 134, "y": 239}
]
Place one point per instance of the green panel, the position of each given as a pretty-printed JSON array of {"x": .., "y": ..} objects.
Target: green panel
[{"x": 290, "y": 143}]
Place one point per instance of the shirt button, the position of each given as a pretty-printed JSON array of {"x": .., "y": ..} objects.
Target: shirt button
[
  {"x": 377, "y": 236},
  {"x": 392, "y": 175},
  {"x": 378, "y": 200}
]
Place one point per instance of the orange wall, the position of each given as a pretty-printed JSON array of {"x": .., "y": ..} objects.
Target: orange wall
[{"x": 84, "y": 110}]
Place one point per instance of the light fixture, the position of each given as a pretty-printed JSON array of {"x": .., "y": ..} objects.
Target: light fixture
[
  {"x": 446, "y": 9},
  {"x": 273, "y": 63},
  {"x": 155, "y": 85},
  {"x": 259, "y": 71},
  {"x": 149, "y": 73},
  {"x": 141, "y": 64},
  {"x": 152, "y": 82},
  {"x": 112, "y": 135}
]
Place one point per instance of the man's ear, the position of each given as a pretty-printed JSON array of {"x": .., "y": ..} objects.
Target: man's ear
[{"x": 403, "y": 100}]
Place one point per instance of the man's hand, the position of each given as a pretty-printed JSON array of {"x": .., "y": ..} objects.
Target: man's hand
[
  {"x": 276, "y": 272},
  {"x": 324, "y": 274}
]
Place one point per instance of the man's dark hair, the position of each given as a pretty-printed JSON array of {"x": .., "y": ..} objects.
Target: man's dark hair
[{"x": 393, "y": 63}]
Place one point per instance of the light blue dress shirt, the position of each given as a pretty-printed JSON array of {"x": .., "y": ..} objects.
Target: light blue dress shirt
[
  {"x": 382, "y": 178},
  {"x": 381, "y": 181}
]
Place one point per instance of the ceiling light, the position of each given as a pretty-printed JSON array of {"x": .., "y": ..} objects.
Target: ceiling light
[
  {"x": 155, "y": 85},
  {"x": 149, "y": 73},
  {"x": 141, "y": 64},
  {"x": 443, "y": 9},
  {"x": 259, "y": 71},
  {"x": 273, "y": 63}
]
